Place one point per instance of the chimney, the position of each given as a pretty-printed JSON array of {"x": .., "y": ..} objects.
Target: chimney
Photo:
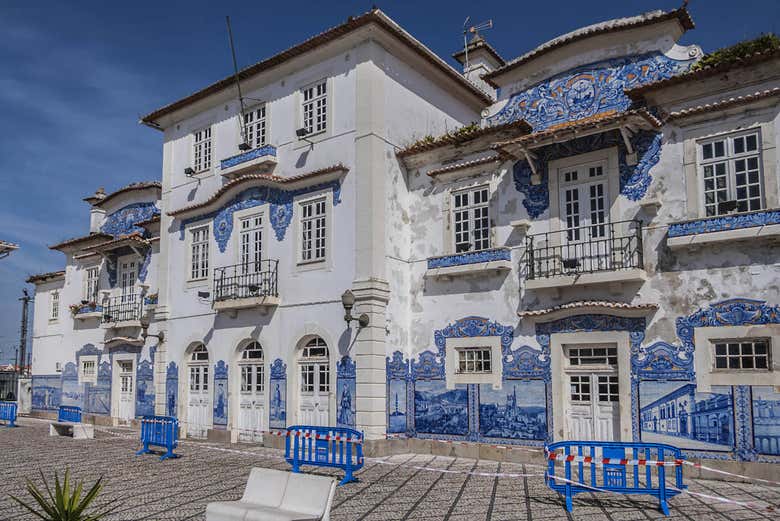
[
  {"x": 477, "y": 59},
  {"x": 96, "y": 214}
]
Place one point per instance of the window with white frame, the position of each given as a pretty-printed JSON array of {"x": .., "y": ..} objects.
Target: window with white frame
[
  {"x": 730, "y": 168},
  {"x": 202, "y": 149},
  {"x": 313, "y": 230},
  {"x": 255, "y": 127},
  {"x": 251, "y": 243},
  {"x": 471, "y": 219},
  {"x": 88, "y": 369},
  {"x": 314, "y": 107},
  {"x": 199, "y": 253},
  {"x": 742, "y": 354},
  {"x": 91, "y": 279},
  {"x": 474, "y": 360},
  {"x": 54, "y": 305}
]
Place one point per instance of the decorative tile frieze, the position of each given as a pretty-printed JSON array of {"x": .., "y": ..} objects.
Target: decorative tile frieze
[
  {"x": 475, "y": 257},
  {"x": 588, "y": 90},
  {"x": 346, "y": 389},
  {"x": 280, "y": 209},
  {"x": 125, "y": 220},
  {"x": 724, "y": 223}
]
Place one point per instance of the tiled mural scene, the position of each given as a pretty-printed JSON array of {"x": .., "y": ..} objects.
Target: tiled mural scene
[{"x": 468, "y": 279}]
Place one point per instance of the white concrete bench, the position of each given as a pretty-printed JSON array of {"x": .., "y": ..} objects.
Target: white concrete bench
[
  {"x": 275, "y": 495},
  {"x": 78, "y": 431}
]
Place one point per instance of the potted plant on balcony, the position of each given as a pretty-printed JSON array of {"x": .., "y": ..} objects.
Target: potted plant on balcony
[
  {"x": 87, "y": 308},
  {"x": 150, "y": 300}
]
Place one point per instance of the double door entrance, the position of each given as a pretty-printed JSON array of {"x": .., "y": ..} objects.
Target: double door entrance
[
  {"x": 592, "y": 399},
  {"x": 124, "y": 384}
]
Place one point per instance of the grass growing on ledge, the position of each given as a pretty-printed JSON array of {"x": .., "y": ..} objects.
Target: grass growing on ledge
[{"x": 764, "y": 43}]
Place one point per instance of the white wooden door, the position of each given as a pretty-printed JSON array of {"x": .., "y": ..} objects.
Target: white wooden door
[
  {"x": 314, "y": 375},
  {"x": 251, "y": 406},
  {"x": 593, "y": 410},
  {"x": 585, "y": 216},
  {"x": 199, "y": 402},
  {"x": 126, "y": 409},
  {"x": 128, "y": 272}
]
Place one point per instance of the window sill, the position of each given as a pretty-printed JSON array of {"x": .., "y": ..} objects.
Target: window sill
[
  {"x": 583, "y": 279},
  {"x": 710, "y": 230}
]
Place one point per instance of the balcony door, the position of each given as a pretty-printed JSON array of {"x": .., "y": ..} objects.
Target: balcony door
[
  {"x": 584, "y": 214},
  {"x": 199, "y": 413},
  {"x": 128, "y": 273},
  {"x": 593, "y": 408},
  {"x": 251, "y": 406},
  {"x": 124, "y": 383},
  {"x": 314, "y": 379}
]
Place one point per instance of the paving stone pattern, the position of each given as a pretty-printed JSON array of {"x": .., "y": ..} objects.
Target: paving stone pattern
[{"x": 403, "y": 487}]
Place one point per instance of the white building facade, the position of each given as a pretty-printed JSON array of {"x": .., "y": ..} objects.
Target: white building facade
[{"x": 576, "y": 244}]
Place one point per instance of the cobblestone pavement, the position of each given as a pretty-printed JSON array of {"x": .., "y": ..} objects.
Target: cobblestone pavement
[{"x": 403, "y": 487}]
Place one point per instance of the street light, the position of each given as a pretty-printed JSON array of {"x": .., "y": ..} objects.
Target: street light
[
  {"x": 348, "y": 301},
  {"x": 145, "y": 327}
]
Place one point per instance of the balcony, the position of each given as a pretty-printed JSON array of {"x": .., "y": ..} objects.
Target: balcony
[
  {"x": 472, "y": 262},
  {"x": 247, "y": 285},
  {"x": 122, "y": 311},
  {"x": 86, "y": 310},
  {"x": 594, "y": 254},
  {"x": 262, "y": 160}
]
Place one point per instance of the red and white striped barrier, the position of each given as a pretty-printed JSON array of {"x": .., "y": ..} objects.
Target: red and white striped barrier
[{"x": 557, "y": 456}]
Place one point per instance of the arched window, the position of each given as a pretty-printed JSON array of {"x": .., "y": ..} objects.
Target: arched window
[
  {"x": 252, "y": 368},
  {"x": 315, "y": 367},
  {"x": 200, "y": 354}
]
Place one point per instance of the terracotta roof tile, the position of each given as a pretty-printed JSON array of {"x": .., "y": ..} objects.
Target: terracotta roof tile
[
  {"x": 725, "y": 103},
  {"x": 43, "y": 277},
  {"x": 78, "y": 240},
  {"x": 141, "y": 185},
  {"x": 465, "y": 164},
  {"x": 582, "y": 33},
  {"x": 458, "y": 137},
  {"x": 251, "y": 177},
  {"x": 374, "y": 16},
  {"x": 588, "y": 304}
]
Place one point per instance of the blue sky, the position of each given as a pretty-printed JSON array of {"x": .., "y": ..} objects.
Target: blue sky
[{"x": 75, "y": 76}]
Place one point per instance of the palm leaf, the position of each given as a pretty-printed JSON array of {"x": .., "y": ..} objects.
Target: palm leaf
[{"x": 65, "y": 502}]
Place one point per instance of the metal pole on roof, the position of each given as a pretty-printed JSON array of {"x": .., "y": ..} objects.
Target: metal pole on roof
[{"x": 238, "y": 83}]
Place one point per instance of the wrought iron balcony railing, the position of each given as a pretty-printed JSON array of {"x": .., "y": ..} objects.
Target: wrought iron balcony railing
[
  {"x": 122, "y": 308},
  {"x": 594, "y": 248},
  {"x": 248, "y": 280}
]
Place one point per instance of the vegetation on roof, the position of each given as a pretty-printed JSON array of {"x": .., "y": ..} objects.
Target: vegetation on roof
[
  {"x": 764, "y": 43},
  {"x": 451, "y": 136}
]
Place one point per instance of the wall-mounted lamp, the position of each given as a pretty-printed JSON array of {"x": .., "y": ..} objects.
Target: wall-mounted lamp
[
  {"x": 244, "y": 147},
  {"x": 348, "y": 301},
  {"x": 302, "y": 133},
  {"x": 145, "y": 327},
  {"x": 189, "y": 171}
]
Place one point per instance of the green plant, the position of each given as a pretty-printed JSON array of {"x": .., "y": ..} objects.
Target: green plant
[
  {"x": 64, "y": 504},
  {"x": 764, "y": 43}
]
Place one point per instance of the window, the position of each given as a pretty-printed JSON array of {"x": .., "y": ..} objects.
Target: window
[
  {"x": 255, "y": 129},
  {"x": 580, "y": 388},
  {"x": 742, "y": 353},
  {"x": 314, "y": 367},
  {"x": 313, "y": 230},
  {"x": 54, "y": 302},
  {"x": 88, "y": 370},
  {"x": 252, "y": 369},
  {"x": 314, "y": 107},
  {"x": 474, "y": 360},
  {"x": 592, "y": 355},
  {"x": 91, "y": 278},
  {"x": 471, "y": 220},
  {"x": 202, "y": 150},
  {"x": 608, "y": 389},
  {"x": 251, "y": 243},
  {"x": 731, "y": 173},
  {"x": 199, "y": 253}
]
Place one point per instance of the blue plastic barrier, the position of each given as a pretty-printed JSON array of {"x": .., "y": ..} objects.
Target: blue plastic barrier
[
  {"x": 160, "y": 431},
  {"x": 69, "y": 413},
  {"x": 8, "y": 413},
  {"x": 621, "y": 473},
  {"x": 337, "y": 447}
]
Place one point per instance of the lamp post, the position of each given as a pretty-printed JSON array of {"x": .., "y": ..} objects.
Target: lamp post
[
  {"x": 145, "y": 327},
  {"x": 348, "y": 301}
]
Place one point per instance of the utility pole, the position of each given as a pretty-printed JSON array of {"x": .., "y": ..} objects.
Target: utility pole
[{"x": 26, "y": 298}]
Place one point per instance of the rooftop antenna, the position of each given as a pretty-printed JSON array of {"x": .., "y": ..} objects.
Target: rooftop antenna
[
  {"x": 243, "y": 146},
  {"x": 474, "y": 29}
]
